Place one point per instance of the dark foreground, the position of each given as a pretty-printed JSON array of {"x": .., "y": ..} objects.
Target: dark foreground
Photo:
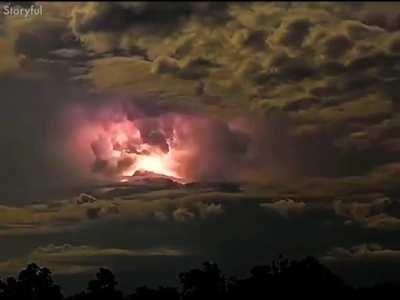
[{"x": 282, "y": 277}]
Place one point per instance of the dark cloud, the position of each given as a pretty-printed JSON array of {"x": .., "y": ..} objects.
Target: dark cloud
[
  {"x": 256, "y": 40},
  {"x": 26, "y": 153},
  {"x": 332, "y": 69},
  {"x": 384, "y": 17},
  {"x": 337, "y": 45},
  {"x": 331, "y": 102},
  {"x": 52, "y": 37},
  {"x": 93, "y": 213},
  {"x": 162, "y": 17},
  {"x": 294, "y": 32},
  {"x": 373, "y": 60}
]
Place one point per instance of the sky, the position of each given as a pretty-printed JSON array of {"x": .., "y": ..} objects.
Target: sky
[{"x": 272, "y": 126}]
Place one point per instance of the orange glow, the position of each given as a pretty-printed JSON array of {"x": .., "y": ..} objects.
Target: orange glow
[
  {"x": 157, "y": 163},
  {"x": 122, "y": 142}
]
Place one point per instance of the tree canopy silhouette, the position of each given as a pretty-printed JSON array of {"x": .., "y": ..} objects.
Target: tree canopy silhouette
[
  {"x": 33, "y": 283},
  {"x": 203, "y": 283},
  {"x": 282, "y": 277},
  {"x": 101, "y": 288}
]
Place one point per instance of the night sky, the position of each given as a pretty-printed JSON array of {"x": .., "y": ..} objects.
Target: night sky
[{"x": 150, "y": 137}]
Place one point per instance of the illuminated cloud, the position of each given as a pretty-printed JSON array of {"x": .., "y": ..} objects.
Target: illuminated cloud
[
  {"x": 286, "y": 207},
  {"x": 71, "y": 259},
  {"x": 363, "y": 253}
]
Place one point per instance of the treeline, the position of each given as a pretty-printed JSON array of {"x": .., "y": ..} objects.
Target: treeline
[{"x": 283, "y": 277}]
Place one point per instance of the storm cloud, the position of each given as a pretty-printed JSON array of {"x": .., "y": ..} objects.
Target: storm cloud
[{"x": 282, "y": 118}]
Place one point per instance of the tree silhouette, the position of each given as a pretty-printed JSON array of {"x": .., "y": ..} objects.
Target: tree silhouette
[
  {"x": 9, "y": 289},
  {"x": 283, "y": 277},
  {"x": 34, "y": 283},
  {"x": 306, "y": 278},
  {"x": 204, "y": 283},
  {"x": 103, "y": 287}
]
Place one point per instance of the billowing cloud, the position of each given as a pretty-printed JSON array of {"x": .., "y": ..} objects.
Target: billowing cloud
[
  {"x": 286, "y": 207},
  {"x": 372, "y": 214},
  {"x": 121, "y": 138},
  {"x": 320, "y": 69}
]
